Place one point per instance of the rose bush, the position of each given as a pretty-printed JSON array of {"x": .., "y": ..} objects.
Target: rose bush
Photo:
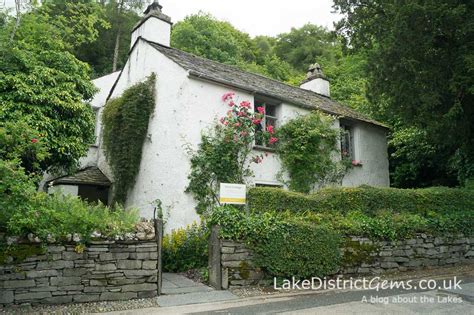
[{"x": 226, "y": 151}]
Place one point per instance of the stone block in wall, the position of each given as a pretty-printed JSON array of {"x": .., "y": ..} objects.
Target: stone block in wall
[
  {"x": 114, "y": 296},
  {"x": 6, "y": 297},
  {"x": 31, "y": 296},
  {"x": 86, "y": 298},
  {"x": 16, "y": 284},
  {"x": 65, "y": 281},
  {"x": 58, "y": 264},
  {"x": 149, "y": 264},
  {"x": 105, "y": 267},
  {"x": 129, "y": 264},
  {"x": 42, "y": 273},
  {"x": 139, "y": 287}
]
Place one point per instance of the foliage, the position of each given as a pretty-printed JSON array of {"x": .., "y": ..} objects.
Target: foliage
[
  {"x": 44, "y": 86},
  {"x": 20, "y": 143},
  {"x": 303, "y": 46},
  {"x": 78, "y": 22},
  {"x": 203, "y": 35},
  {"x": 225, "y": 152},
  {"x": 281, "y": 243},
  {"x": 125, "y": 124},
  {"x": 15, "y": 190},
  {"x": 60, "y": 215},
  {"x": 366, "y": 199},
  {"x": 186, "y": 248},
  {"x": 24, "y": 211},
  {"x": 113, "y": 39},
  {"x": 306, "y": 150},
  {"x": 420, "y": 75}
]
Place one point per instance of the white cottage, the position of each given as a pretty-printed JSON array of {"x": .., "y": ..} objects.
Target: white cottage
[{"x": 188, "y": 94}]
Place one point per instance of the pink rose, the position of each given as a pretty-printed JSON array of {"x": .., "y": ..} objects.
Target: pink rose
[
  {"x": 273, "y": 140},
  {"x": 228, "y": 95},
  {"x": 270, "y": 129},
  {"x": 34, "y": 140},
  {"x": 245, "y": 104},
  {"x": 261, "y": 110}
]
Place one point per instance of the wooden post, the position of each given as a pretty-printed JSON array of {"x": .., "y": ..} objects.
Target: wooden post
[
  {"x": 159, "y": 242},
  {"x": 215, "y": 268}
]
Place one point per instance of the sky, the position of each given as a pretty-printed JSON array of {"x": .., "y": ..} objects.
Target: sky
[{"x": 256, "y": 17}]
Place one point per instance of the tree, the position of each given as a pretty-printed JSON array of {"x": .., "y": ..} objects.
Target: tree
[
  {"x": 303, "y": 46},
  {"x": 420, "y": 63},
  {"x": 44, "y": 86},
  {"x": 203, "y": 35}
]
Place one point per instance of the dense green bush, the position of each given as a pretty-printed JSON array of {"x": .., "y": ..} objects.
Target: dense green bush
[
  {"x": 59, "y": 215},
  {"x": 366, "y": 199},
  {"x": 23, "y": 210},
  {"x": 283, "y": 245},
  {"x": 15, "y": 190},
  {"x": 186, "y": 248}
]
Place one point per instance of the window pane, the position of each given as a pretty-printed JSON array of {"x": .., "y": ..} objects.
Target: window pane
[{"x": 270, "y": 110}]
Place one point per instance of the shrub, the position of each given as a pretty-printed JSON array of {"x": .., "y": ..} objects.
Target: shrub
[
  {"x": 23, "y": 210},
  {"x": 186, "y": 248},
  {"x": 298, "y": 249},
  {"x": 284, "y": 246},
  {"x": 59, "y": 215},
  {"x": 16, "y": 189},
  {"x": 366, "y": 199}
]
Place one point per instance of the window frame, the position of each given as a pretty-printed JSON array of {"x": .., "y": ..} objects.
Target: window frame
[
  {"x": 258, "y": 102},
  {"x": 347, "y": 129}
]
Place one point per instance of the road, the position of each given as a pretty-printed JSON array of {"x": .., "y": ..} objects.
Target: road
[{"x": 394, "y": 301}]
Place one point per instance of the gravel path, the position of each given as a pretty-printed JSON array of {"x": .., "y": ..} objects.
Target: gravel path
[{"x": 82, "y": 308}]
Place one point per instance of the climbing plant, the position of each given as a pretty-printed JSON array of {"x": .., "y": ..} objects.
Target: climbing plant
[
  {"x": 225, "y": 152},
  {"x": 125, "y": 124},
  {"x": 306, "y": 149}
]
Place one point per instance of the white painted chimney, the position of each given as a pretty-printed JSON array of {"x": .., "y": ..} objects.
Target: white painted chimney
[
  {"x": 154, "y": 26},
  {"x": 316, "y": 81}
]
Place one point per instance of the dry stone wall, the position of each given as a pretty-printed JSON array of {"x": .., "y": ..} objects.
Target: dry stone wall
[
  {"x": 361, "y": 256},
  {"x": 102, "y": 271}
]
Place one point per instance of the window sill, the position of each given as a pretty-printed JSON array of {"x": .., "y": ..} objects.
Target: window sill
[{"x": 262, "y": 148}]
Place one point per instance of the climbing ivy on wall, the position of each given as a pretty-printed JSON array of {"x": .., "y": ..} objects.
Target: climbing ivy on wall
[
  {"x": 125, "y": 125},
  {"x": 306, "y": 149}
]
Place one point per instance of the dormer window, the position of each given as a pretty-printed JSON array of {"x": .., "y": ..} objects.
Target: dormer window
[{"x": 269, "y": 119}]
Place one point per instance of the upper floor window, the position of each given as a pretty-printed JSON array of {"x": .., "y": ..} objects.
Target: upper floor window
[
  {"x": 269, "y": 119},
  {"x": 347, "y": 142}
]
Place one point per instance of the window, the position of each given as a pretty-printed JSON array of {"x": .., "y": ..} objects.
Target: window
[
  {"x": 269, "y": 119},
  {"x": 347, "y": 142}
]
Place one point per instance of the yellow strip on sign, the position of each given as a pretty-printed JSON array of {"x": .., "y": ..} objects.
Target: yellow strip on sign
[{"x": 232, "y": 200}]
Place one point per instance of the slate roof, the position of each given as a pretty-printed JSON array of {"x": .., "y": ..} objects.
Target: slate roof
[
  {"x": 230, "y": 75},
  {"x": 88, "y": 176}
]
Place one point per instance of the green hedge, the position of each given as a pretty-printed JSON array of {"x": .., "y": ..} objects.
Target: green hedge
[
  {"x": 366, "y": 199},
  {"x": 283, "y": 246}
]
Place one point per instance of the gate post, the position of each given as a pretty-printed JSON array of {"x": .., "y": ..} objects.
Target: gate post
[
  {"x": 158, "y": 220},
  {"x": 215, "y": 268}
]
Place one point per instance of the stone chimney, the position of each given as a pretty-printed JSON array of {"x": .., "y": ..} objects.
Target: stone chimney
[
  {"x": 316, "y": 81},
  {"x": 154, "y": 26}
]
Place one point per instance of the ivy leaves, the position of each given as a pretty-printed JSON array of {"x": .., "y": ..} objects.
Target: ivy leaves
[{"x": 125, "y": 124}]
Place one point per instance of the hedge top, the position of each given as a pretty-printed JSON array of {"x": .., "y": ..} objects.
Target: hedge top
[{"x": 369, "y": 200}]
